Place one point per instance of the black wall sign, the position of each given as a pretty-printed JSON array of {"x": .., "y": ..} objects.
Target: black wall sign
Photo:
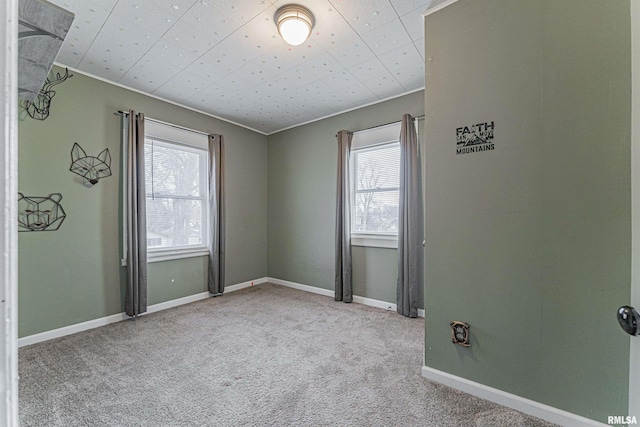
[{"x": 475, "y": 138}]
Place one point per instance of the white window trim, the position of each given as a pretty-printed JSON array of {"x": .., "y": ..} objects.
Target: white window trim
[
  {"x": 365, "y": 140},
  {"x": 179, "y": 252},
  {"x": 172, "y": 134},
  {"x": 175, "y": 134},
  {"x": 376, "y": 136},
  {"x": 374, "y": 240},
  {"x": 159, "y": 255}
]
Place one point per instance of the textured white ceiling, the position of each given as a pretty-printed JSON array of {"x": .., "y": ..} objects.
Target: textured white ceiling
[{"x": 225, "y": 57}]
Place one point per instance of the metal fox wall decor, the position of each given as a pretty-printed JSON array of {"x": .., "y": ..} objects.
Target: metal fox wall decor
[{"x": 92, "y": 169}]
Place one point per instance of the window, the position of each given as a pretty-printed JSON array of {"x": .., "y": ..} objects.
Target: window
[
  {"x": 375, "y": 176},
  {"x": 176, "y": 183}
]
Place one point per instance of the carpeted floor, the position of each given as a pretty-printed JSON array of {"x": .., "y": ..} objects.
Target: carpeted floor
[{"x": 263, "y": 356}]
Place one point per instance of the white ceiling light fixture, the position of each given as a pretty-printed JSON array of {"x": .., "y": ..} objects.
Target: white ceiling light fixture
[{"x": 294, "y": 23}]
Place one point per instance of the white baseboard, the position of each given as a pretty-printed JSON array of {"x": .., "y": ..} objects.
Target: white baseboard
[
  {"x": 96, "y": 323},
  {"x": 330, "y": 293},
  {"x": 527, "y": 406},
  {"x": 103, "y": 321},
  {"x": 173, "y": 303},
  {"x": 375, "y": 303},
  {"x": 301, "y": 287},
  {"x": 71, "y": 329},
  {"x": 518, "y": 403},
  {"x": 243, "y": 285}
]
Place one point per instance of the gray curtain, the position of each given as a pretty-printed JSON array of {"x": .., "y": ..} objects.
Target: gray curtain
[
  {"x": 410, "y": 223},
  {"x": 343, "y": 286},
  {"x": 136, "y": 220},
  {"x": 216, "y": 215}
]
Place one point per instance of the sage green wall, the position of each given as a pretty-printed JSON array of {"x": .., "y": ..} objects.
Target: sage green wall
[
  {"x": 302, "y": 185},
  {"x": 375, "y": 272},
  {"x": 530, "y": 243},
  {"x": 73, "y": 275}
]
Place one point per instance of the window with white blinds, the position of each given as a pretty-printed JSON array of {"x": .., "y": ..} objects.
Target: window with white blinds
[
  {"x": 375, "y": 175},
  {"x": 177, "y": 192}
]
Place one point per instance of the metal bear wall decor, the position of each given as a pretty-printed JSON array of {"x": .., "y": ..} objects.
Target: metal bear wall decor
[
  {"x": 39, "y": 109},
  {"x": 40, "y": 213},
  {"x": 92, "y": 169}
]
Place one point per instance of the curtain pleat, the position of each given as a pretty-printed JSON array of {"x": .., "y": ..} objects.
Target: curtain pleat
[
  {"x": 216, "y": 215},
  {"x": 410, "y": 221},
  {"x": 343, "y": 285},
  {"x": 136, "y": 221}
]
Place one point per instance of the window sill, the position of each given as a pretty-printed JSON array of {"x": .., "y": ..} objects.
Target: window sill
[
  {"x": 168, "y": 255},
  {"x": 374, "y": 241}
]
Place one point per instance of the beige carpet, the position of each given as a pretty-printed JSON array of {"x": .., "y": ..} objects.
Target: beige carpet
[{"x": 263, "y": 356}]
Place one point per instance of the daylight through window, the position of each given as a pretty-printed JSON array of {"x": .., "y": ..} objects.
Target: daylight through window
[
  {"x": 375, "y": 180},
  {"x": 376, "y": 190},
  {"x": 176, "y": 162},
  {"x": 176, "y": 195}
]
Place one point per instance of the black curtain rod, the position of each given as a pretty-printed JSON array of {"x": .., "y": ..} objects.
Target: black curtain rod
[
  {"x": 386, "y": 124},
  {"x": 167, "y": 124}
]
